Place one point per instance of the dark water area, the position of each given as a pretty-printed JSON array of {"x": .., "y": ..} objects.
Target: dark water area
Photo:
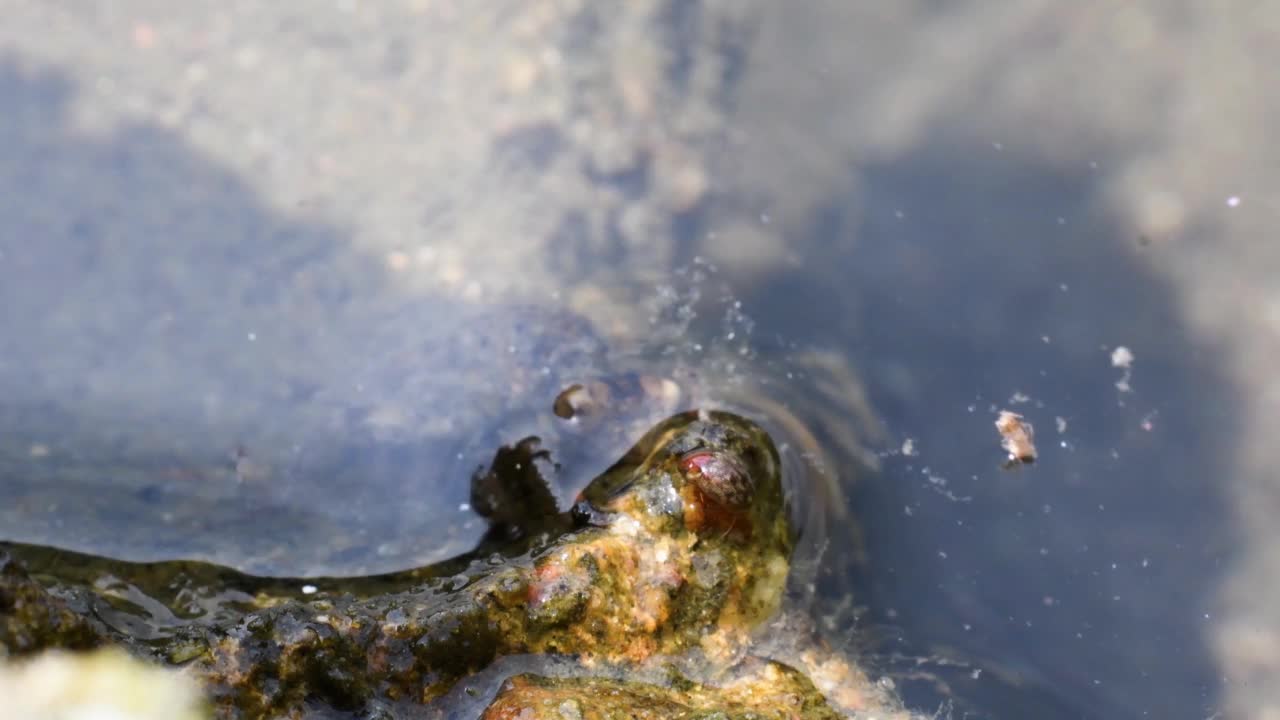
[
  {"x": 976, "y": 279},
  {"x": 157, "y": 313}
]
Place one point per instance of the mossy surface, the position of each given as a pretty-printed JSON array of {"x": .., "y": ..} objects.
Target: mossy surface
[
  {"x": 678, "y": 550},
  {"x": 33, "y": 619},
  {"x": 755, "y": 691}
]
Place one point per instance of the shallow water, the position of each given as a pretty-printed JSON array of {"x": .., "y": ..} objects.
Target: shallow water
[
  {"x": 1082, "y": 585},
  {"x": 183, "y": 353}
]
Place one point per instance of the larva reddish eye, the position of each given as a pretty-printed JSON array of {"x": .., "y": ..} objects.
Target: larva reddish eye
[{"x": 720, "y": 477}]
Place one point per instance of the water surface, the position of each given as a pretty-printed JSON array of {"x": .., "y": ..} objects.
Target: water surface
[{"x": 190, "y": 367}]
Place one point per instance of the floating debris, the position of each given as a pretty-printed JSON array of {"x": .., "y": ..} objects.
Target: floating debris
[
  {"x": 617, "y": 394},
  {"x": 1017, "y": 438},
  {"x": 1122, "y": 357},
  {"x": 570, "y": 401}
]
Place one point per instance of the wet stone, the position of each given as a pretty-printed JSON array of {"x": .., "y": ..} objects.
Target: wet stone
[{"x": 647, "y": 581}]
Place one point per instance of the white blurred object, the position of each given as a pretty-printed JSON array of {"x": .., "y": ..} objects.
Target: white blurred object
[{"x": 101, "y": 685}]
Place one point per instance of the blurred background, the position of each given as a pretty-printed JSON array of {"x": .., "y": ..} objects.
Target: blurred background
[{"x": 228, "y": 226}]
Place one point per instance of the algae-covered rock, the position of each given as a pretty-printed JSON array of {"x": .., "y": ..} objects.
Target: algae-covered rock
[
  {"x": 681, "y": 547},
  {"x": 32, "y": 619},
  {"x": 759, "y": 691},
  {"x": 651, "y": 587}
]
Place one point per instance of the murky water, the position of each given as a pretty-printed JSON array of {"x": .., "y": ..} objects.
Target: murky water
[{"x": 189, "y": 370}]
